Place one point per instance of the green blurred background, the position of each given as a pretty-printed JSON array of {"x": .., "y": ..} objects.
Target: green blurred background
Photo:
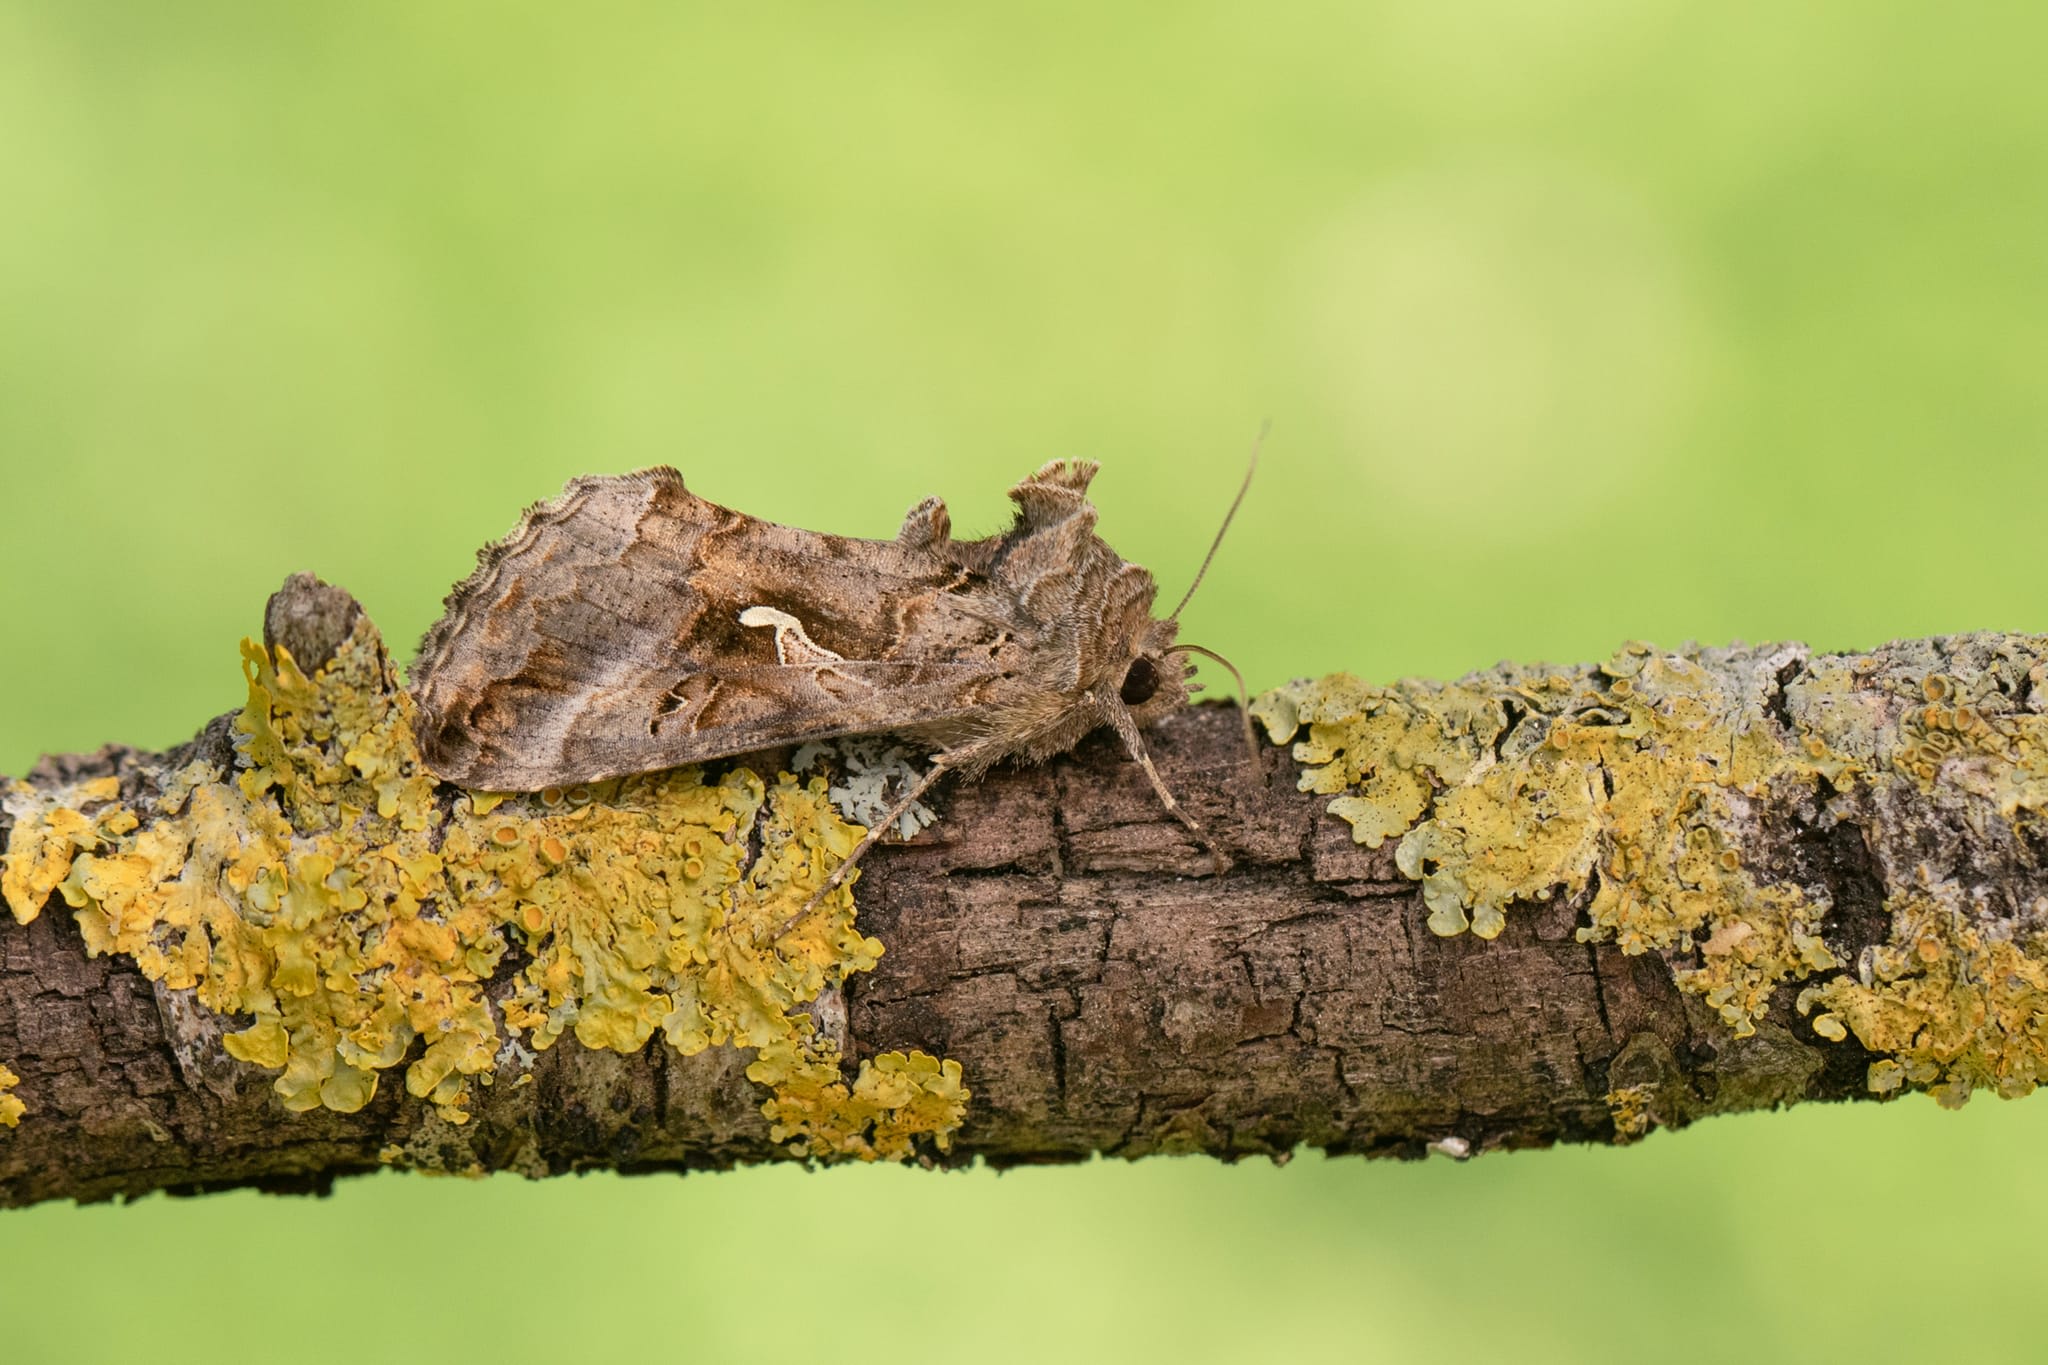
[{"x": 1577, "y": 322}]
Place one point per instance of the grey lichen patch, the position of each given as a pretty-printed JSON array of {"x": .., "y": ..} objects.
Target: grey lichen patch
[
  {"x": 1656, "y": 787},
  {"x": 875, "y": 772},
  {"x": 1961, "y": 718}
]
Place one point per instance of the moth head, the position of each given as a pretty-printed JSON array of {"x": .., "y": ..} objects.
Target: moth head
[{"x": 1154, "y": 680}]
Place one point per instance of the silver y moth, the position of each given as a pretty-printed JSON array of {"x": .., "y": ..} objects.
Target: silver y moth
[{"x": 630, "y": 625}]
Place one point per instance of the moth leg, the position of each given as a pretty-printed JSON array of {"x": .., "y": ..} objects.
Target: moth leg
[
  {"x": 875, "y": 832},
  {"x": 1127, "y": 730}
]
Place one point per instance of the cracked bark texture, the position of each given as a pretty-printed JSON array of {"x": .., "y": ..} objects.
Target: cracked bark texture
[{"x": 1066, "y": 942}]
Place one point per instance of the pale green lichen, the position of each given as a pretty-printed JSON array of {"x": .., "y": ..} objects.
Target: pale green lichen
[
  {"x": 1637, "y": 785},
  {"x": 321, "y": 891}
]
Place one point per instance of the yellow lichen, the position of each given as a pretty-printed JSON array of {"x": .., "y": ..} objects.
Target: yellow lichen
[
  {"x": 1638, "y": 783},
  {"x": 51, "y": 826},
  {"x": 894, "y": 1100},
  {"x": 11, "y": 1107},
  {"x": 1954, "y": 1009},
  {"x": 322, "y": 892},
  {"x": 1530, "y": 783},
  {"x": 1633, "y": 1109}
]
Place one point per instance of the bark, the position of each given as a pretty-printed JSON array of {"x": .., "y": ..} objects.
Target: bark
[{"x": 1061, "y": 937}]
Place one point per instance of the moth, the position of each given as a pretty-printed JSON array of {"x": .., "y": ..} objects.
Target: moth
[{"x": 630, "y": 625}]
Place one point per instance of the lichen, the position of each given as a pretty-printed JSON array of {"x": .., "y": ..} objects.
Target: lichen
[
  {"x": 893, "y": 1100},
  {"x": 877, "y": 772},
  {"x": 322, "y": 892},
  {"x": 1530, "y": 783},
  {"x": 1953, "y": 1009},
  {"x": 52, "y": 826},
  {"x": 1633, "y": 1110},
  {"x": 1639, "y": 787},
  {"x": 11, "y": 1107}
]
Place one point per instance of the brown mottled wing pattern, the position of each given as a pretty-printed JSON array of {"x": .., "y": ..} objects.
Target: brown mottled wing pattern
[{"x": 605, "y": 636}]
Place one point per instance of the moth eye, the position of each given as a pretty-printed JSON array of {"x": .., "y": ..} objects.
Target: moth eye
[{"x": 1139, "y": 683}]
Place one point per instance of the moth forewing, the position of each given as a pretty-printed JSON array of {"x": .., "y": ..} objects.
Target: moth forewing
[{"x": 630, "y": 626}]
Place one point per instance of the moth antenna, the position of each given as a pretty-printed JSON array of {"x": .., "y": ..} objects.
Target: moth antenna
[
  {"x": 1244, "y": 700},
  {"x": 868, "y": 841},
  {"x": 1251, "y": 468},
  {"x": 1127, "y": 730}
]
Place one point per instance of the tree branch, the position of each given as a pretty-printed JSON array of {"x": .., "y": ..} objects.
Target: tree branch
[{"x": 1807, "y": 893}]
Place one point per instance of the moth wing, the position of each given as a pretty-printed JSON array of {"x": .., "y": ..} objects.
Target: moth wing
[
  {"x": 715, "y": 713},
  {"x": 624, "y": 627}
]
